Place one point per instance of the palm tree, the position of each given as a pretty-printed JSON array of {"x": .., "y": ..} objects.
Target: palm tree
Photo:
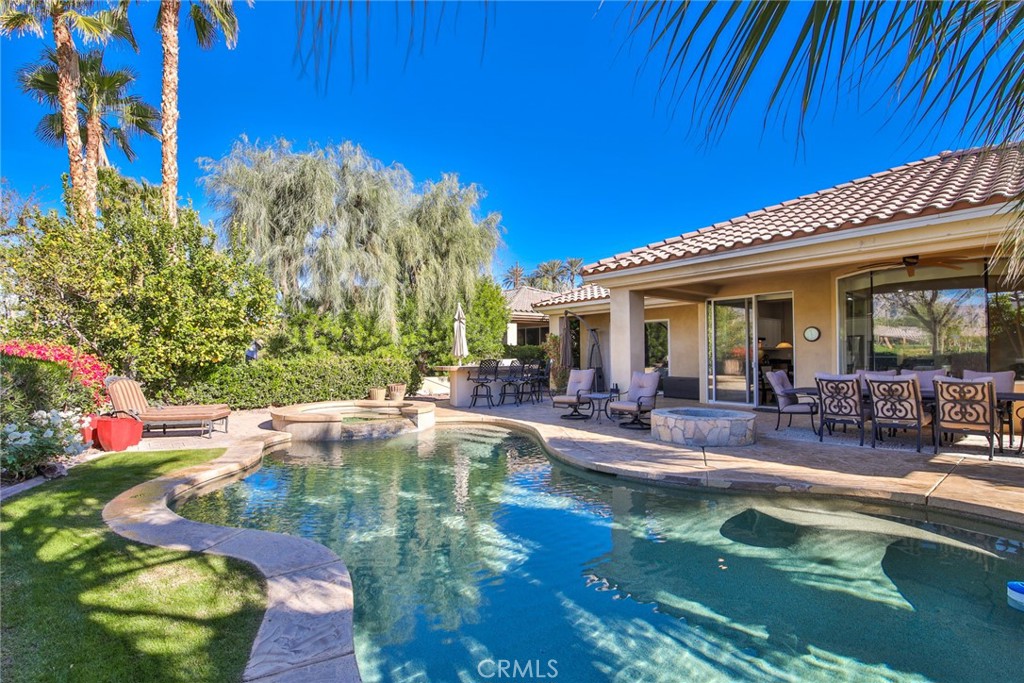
[
  {"x": 107, "y": 113},
  {"x": 65, "y": 16},
  {"x": 960, "y": 58},
  {"x": 573, "y": 266},
  {"x": 550, "y": 275},
  {"x": 515, "y": 277},
  {"x": 208, "y": 17}
]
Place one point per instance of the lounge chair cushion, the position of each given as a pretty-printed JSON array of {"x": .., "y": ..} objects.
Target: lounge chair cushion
[{"x": 126, "y": 395}]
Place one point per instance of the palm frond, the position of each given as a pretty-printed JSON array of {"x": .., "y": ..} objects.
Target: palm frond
[
  {"x": 18, "y": 22},
  {"x": 206, "y": 30}
]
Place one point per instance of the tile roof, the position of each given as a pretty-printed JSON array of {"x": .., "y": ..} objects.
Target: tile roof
[
  {"x": 521, "y": 300},
  {"x": 583, "y": 294},
  {"x": 946, "y": 182}
]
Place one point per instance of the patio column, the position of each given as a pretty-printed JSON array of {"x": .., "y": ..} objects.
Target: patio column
[{"x": 626, "y": 335}]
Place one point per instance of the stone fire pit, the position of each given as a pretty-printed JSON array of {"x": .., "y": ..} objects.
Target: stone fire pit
[{"x": 703, "y": 426}]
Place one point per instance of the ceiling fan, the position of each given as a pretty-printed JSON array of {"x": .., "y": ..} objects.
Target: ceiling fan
[{"x": 911, "y": 263}]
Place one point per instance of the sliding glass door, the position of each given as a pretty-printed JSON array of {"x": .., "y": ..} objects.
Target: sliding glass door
[{"x": 731, "y": 350}]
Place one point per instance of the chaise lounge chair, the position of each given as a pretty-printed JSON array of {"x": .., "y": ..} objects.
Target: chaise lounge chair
[{"x": 126, "y": 396}]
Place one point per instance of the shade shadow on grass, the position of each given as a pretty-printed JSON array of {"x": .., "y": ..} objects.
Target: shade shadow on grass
[{"x": 81, "y": 603}]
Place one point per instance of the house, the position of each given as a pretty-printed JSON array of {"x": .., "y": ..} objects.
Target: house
[
  {"x": 526, "y": 326},
  {"x": 820, "y": 283}
]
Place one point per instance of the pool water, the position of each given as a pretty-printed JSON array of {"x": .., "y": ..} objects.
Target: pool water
[{"x": 468, "y": 547}]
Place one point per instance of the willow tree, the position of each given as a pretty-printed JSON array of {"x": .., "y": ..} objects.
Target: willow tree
[
  {"x": 108, "y": 113},
  {"x": 338, "y": 230},
  {"x": 957, "y": 61}
]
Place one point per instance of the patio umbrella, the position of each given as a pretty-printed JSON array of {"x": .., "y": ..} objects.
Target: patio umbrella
[{"x": 460, "y": 349}]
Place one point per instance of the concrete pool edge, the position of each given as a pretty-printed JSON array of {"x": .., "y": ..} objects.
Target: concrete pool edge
[{"x": 306, "y": 632}]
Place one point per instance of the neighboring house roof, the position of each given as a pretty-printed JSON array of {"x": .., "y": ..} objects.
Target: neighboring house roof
[
  {"x": 582, "y": 294},
  {"x": 521, "y": 300},
  {"x": 900, "y": 332},
  {"x": 947, "y": 182}
]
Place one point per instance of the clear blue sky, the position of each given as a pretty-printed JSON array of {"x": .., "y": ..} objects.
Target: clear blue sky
[{"x": 549, "y": 117}]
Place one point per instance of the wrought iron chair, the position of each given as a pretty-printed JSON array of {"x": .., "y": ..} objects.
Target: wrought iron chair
[
  {"x": 840, "y": 401},
  {"x": 486, "y": 373},
  {"x": 966, "y": 407},
  {"x": 640, "y": 400},
  {"x": 1004, "y": 382},
  {"x": 787, "y": 403},
  {"x": 580, "y": 384},
  {"x": 510, "y": 379},
  {"x": 896, "y": 404},
  {"x": 529, "y": 382}
]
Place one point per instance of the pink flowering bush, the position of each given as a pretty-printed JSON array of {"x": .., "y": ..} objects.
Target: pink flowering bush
[{"x": 87, "y": 370}]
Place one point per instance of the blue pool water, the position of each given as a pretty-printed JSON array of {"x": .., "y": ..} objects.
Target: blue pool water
[{"x": 467, "y": 547}]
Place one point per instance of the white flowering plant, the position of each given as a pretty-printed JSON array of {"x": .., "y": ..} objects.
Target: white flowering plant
[{"x": 46, "y": 437}]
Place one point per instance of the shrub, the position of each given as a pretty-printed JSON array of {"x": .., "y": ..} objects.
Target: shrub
[
  {"x": 298, "y": 380},
  {"x": 28, "y": 385},
  {"x": 157, "y": 301},
  {"x": 88, "y": 371},
  {"x": 45, "y": 436},
  {"x": 525, "y": 352}
]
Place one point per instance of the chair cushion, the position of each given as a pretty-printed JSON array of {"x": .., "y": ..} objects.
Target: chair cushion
[
  {"x": 627, "y": 407},
  {"x": 1003, "y": 381},
  {"x": 643, "y": 385},
  {"x": 799, "y": 408},
  {"x": 579, "y": 380},
  {"x": 567, "y": 400}
]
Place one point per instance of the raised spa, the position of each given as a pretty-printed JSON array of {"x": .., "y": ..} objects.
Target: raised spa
[
  {"x": 344, "y": 420},
  {"x": 703, "y": 426}
]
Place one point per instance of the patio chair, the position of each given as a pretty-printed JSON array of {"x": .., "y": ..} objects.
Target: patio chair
[
  {"x": 126, "y": 396},
  {"x": 510, "y": 378},
  {"x": 840, "y": 401},
  {"x": 640, "y": 400},
  {"x": 966, "y": 407},
  {"x": 580, "y": 384},
  {"x": 486, "y": 373},
  {"x": 530, "y": 381},
  {"x": 896, "y": 404},
  {"x": 1004, "y": 383},
  {"x": 788, "y": 404}
]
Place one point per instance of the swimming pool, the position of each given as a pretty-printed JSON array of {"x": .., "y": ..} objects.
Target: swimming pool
[{"x": 469, "y": 550}]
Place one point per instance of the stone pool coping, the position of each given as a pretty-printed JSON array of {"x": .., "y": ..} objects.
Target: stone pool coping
[{"x": 306, "y": 633}]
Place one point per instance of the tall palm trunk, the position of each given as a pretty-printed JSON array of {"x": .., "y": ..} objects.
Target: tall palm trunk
[
  {"x": 93, "y": 141},
  {"x": 67, "y": 95},
  {"x": 168, "y": 22}
]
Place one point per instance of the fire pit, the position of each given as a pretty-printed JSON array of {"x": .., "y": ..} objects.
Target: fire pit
[{"x": 703, "y": 426}]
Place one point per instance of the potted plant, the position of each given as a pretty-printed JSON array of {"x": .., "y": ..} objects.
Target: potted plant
[
  {"x": 118, "y": 433},
  {"x": 396, "y": 392},
  {"x": 377, "y": 393}
]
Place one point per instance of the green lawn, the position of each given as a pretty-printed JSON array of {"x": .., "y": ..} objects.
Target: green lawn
[{"x": 80, "y": 603}]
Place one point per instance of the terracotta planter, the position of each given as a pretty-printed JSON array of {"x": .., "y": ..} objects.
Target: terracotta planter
[
  {"x": 377, "y": 393},
  {"x": 118, "y": 433},
  {"x": 396, "y": 392}
]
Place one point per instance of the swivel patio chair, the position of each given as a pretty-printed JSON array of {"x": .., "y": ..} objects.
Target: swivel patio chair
[
  {"x": 640, "y": 400},
  {"x": 486, "y": 373},
  {"x": 896, "y": 404},
  {"x": 510, "y": 376},
  {"x": 967, "y": 407},
  {"x": 787, "y": 403},
  {"x": 580, "y": 384},
  {"x": 840, "y": 401}
]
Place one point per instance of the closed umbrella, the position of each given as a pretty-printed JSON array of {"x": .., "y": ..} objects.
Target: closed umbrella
[
  {"x": 566, "y": 341},
  {"x": 460, "y": 349}
]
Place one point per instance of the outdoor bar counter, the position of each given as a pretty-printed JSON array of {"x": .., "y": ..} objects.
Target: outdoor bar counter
[{"x": 461, "y": 388}]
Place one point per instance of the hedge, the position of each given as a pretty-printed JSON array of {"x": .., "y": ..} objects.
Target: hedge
[
  {"x": 277, "y": 382},
  {"x": 525, "y": 352},
  {"x": 29, "y": 384}
]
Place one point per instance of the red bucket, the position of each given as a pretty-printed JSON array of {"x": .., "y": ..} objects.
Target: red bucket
[
  {"x": 118, "y": 433},
  {"x": 89, "y": 433}
]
